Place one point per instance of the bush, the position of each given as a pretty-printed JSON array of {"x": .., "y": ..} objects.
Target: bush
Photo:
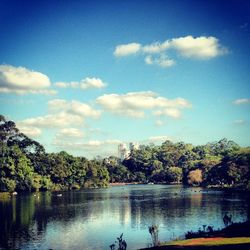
[
  {"x": 7, "y": 184},
  {"x": 195, "y": 177}
]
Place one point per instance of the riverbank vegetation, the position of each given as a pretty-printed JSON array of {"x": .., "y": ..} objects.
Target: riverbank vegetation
[
  {"x": 239, "y": 243},
  {"x": 233, "y": 236},
  {"x": 26, "y": 166}
]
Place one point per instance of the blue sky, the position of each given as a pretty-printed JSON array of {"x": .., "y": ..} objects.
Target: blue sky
[{"x": 83, "y": 76}]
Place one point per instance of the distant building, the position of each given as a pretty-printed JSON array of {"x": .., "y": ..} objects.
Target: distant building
[
  {"x": 123, "y": 152},
  {"x": 133, "y": 146}
]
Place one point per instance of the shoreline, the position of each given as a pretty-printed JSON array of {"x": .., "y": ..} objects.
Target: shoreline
[
  {"x": 141, "y": 183},
  {"x": 234, "y": 236},
  {"x": 239, "y": 189},
  {"x": 113, "y": 184},
  {"x": 116, "y": 184}
]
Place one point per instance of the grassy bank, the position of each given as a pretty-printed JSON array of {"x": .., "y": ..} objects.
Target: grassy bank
[
  {"x": 211, "y": 241},
  {"x": 234, "y": 236},
  {"x": 207, "y": 243}
]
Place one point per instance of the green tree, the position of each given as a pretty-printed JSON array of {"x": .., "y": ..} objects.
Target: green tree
[
  {"x": 174, "y": 174},
  {"x": 60, "y": 169},
  {"x": 23, "y": 169}
]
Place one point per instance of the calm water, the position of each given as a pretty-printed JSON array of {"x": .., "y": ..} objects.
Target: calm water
[{"x": 92, "y": 219}]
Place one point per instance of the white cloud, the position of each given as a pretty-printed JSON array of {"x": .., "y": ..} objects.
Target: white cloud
[
  {"x": 62, "y": 84},
  {"x": 69, "y": 133},
  {"x": 74, "y": 107},
  {"x": 159, "y": 123},
  {"x": 156, "y": 47},
  {"x": 91, "y": 145},
  {"x": 30, "y": 131},
  {"x": 23, "y": 92},
  {"x": 200, "y": 47},
  {"x": 127, "y": 49},
  {"x": 57, "y": 104},
  {"x": 53, "y": 121},
  {"x": 92, "y": 83},
  {"x": 134, "y": 104},
  {"x": 20, "y": 80},
  {"x": 161, "y": 61},
  {"x": 94, "y": 143},
  {"x": 159, "y": 138},
  {"x": 62, "y": 114},
  {"x": 149, "y": 60},
  {"x": 113, "y": 142},
  {"x": 240, "y": 122},
  {"x": 87, "y": 83},
  {"x": 164, "y": 62},
  {"x": 172, "y": 112},
  {"x": 84, "y": 110},
  {"x": 241, "y": 101}
]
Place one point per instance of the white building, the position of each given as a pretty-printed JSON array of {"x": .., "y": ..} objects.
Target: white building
[
  {"x": 133, "y": 146},
  {"x": 123, "y": 152}
]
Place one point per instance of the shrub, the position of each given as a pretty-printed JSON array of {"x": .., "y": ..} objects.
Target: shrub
[{"x": 195, "y": 177}]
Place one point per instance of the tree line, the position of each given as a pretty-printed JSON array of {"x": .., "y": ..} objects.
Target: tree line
[
  {"x": 223, "y": 164},
  {"x": 26, "y": 166}
]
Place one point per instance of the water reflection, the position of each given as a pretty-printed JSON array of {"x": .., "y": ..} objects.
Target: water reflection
[{"x": 92, "y": 219}]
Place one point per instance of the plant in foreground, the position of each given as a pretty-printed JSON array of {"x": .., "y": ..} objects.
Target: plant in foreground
[
  {"x": 153, "y": 230},
  {"x": 122, "y": 244},
  {"x": 227, "y": 219}
]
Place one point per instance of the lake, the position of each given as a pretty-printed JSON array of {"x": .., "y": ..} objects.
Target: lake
[{"x": 92, "y": 219}]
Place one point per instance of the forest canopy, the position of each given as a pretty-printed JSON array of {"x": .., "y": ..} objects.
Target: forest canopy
[{"x": 26, "y": 166}]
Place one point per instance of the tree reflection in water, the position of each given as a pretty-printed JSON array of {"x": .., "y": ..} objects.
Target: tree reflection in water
[{"x": 92, "y": 218}]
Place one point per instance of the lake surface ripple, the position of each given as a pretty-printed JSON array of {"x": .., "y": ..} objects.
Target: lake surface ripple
[{"x": 92, "y": 219}]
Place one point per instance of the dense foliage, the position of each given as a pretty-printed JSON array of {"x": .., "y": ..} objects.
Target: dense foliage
[
  {"x": 24, "y": 165},
  {"x": 222, "y": 163}
]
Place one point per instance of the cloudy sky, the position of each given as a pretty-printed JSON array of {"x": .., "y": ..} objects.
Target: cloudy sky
[{"x": 83, "y": 76}]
